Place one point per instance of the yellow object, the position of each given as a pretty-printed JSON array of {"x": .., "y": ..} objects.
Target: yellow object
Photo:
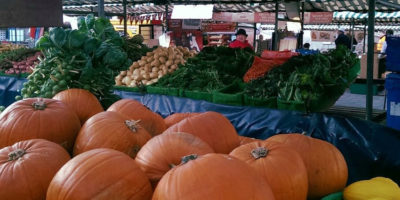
[
  {"x": 380, "y": 43},
  {"x": 378, "y": 188}
]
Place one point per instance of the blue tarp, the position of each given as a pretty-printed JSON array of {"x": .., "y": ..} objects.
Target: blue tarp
[{"x": 370, "y": 149}]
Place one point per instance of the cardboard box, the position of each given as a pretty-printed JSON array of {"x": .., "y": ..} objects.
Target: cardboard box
[{"x": 363, "y": 71}]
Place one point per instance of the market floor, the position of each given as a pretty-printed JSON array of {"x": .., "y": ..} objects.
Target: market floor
[{"x": 359, "y": 100}]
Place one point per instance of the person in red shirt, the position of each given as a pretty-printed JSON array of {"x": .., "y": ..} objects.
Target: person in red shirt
[{"x": 240, "y": 41}]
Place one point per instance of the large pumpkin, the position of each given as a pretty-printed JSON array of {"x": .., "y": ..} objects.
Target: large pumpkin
[
  {"x": 213, "y": 128},
  {"x": 326, "y": 167},
  {"x": 245, "y": 140},
  {"x": 111, "y": 130},
  {"x": 212, "y": 177},
  {"x": 27, "y": 167},
  {"x": 165, "y": 151},
  {"x": 177, "y": 117},
  {"x": 84, "y": 103},
  {"x": 39, "y": 118},
  {"x": 151, "y": 121},
  {"x": 100, "y": 174},
  {"x": 282, "y": 167}
]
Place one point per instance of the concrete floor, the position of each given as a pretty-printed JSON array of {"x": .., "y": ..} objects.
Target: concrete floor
[{"x": 359, "y": 100}]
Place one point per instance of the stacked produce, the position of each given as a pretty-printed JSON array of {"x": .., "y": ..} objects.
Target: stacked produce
[
  {"x": 8, "y": 47},
  {"x": 135, "y": 48},
  {"x": 21, "y": 60},
  {"x": 198, "y": 157},
  {"x": 213, "y": 68},
  {"x": 306, "y": 78},
  {"x": 153, "y": 66},
  {"x": 87, "y": 58}
]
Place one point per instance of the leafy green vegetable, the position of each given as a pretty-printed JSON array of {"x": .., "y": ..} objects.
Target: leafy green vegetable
[{"x": 86, "y": 58}]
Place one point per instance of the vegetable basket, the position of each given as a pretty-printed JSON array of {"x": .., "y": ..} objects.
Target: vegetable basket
[
  {"x": 163, "y": 90},
  {"x": 260, "y": 102},
  {"x": 198, "y": 95},
  {"x": 231, "y": 94}
]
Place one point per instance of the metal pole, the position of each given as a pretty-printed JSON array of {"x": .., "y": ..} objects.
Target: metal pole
[
  {"x": 255, "y": 35},
  {"x": 370, "y": 56},
  {"x": 166, "y": 18},
  {"x": 365, "y": 34},
  {"x": 275, "y": 42},
  {"x": 351, "y": 34},
  {"x": 125, "y": 19},
  {"x": 302, "y": 27},
  {"x": 100, "y": 4}
]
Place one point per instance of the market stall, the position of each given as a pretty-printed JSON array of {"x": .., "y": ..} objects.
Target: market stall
[{"x": 141, "y": 89}]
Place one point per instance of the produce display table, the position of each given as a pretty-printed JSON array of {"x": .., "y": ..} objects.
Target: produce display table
[{"x": 370, "y": 149}]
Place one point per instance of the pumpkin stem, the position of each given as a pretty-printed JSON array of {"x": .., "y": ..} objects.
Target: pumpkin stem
[
  {"x": 15, "y": 155},
  {"x": 188, "y": 158},
  {"x": 259, "y": 152},
  {"x": 39, "y": 104},
  {"x": 133, "y": 125},
  {"x": 172, "y": 166}
]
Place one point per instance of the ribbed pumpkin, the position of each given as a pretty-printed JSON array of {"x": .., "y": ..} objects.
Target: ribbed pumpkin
[
  {"x": 84, "y": 103},
  {"x": 177, "y": 117},
  {"x": 39, "y": 118},
  {"x": 100, "y": 174},
  {"x": 151, "y": 121},
  {"x": 212, "y": 177},
  {"x": 165, "y": 151},
  {"x": 27, "y": 167},
  {"x": 111, "y": 130},
  {"x": 282, "y": 167},
  {"x": 326, "y": 167},
  {"x": 213, "y": 128},
  {"x": 245, "y": 140}
]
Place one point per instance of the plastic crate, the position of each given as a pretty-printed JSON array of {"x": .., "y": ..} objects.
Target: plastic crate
[
  {"x": 291, "y": 105},
  {"x": 260, "y": 102},
  {"x": 129, "y": 89},
  {"x": 392, "y": 86},
  {"x": 393, "y": 54},
  {"x": 334, "y": 196},
  {"x": 198, "y": 95},
  {"x": 163, "y": 90},
  {"x": 231, "y": 95}
]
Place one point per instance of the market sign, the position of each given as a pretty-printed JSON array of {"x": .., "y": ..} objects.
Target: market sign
[
  {"x": 28, "y": 13},
  {"x": 245, "y": 17},
  {"x": 318, "y": 17}
]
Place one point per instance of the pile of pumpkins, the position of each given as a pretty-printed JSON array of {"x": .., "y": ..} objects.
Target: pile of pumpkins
[{"x": 69, "y": 148}]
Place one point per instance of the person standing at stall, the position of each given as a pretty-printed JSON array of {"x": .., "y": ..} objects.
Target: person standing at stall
[
  {"x": 382, "y": 55},
  {"x": 342, "y": 39},
  {"x": 240, "y": 41}
]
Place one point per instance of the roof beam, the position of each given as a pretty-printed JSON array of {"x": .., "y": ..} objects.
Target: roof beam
[{"x": 388, "y": 4}]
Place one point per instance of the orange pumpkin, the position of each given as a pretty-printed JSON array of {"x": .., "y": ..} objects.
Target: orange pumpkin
[
  {"x": 245, "y": 140},
  {"x": 326, "y": 167},
  {"x": 133, "y": 109},
  {"x": 39, "y": 118},
  {"x": 100, "y": 174},
  {"x": 282, "y": 167},
  {"x": 177, "y": 117},
  {"x": 213, "y": 128},
  {"x": 165, "y": 151},
  {"x": 212, "y": 177},
  {"x": 84, "y": 103},
  {"x": 27, "y": 167},
  {"x": 111, "y": 130}
]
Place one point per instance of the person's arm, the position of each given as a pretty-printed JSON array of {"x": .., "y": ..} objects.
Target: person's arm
[{"x": 383, "y": 50}]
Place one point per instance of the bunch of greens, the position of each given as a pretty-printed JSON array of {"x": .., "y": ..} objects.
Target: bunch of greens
[
  {"x": 213, "y": 68},
  {"x": 87, "y": 58},
  {"x": 135, "y": 48},
  {"x": 305, "y": 78}
]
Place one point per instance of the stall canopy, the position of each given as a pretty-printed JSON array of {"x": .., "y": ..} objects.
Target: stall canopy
[{"x": 142, "y": 7}]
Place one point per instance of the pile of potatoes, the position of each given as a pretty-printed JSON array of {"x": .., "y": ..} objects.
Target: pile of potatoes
[{"x": 153, "y": 66}]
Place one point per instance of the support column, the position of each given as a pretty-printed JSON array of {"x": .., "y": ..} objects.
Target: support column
[
  {"x": 370, "y": 56},
  {"x": 125, "y": 19},
  {"x": 100, "y": 5},
  {"x": 275, "y": 42},
  {"x": 166, "y": 17}
]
